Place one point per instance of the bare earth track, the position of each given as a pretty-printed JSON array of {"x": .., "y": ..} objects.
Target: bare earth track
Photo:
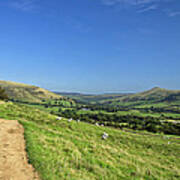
[{"x": 13, "y": 159}]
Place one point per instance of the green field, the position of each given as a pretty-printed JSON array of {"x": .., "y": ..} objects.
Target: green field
[
  {"x": 150, "y": 119},
  {"x": 72, "y": 150}
]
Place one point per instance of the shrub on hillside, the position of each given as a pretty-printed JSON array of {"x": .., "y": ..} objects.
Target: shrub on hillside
[{"x": 3, "y": 95}]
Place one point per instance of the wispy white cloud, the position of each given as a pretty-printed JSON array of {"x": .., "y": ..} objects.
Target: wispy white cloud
[
  {"x": 149, "y": 8},
  {"x": 24, "y": 5},
  {"x": 172, "y": 14},
  {"x": 109, "y": 2},
  {"x": 130, "y": 2},
  {"x": 142, "y": 6}
]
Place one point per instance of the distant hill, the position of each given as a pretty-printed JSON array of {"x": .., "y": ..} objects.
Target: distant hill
[
  {"x": 24, "y": 92},
  {"x": 154, "y": 95},
  {"x": 92, "y": 98},
  {"x": 68, "y": 93}
]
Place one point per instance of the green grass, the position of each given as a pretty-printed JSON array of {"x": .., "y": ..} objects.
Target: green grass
[
  {"x": 155, "y": 105},
  {"x": 73, "y": 151},
  {"x": 41, "y": 107}
]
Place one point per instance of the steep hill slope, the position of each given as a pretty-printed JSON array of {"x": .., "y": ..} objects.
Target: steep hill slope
[{"x": 24, "y": 92}]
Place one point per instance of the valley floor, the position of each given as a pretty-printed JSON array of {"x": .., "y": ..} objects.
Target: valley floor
[{"x": 13, "y": 159}]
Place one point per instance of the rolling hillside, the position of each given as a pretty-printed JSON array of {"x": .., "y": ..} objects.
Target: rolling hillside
[
  {"x": 24, "y": 92},
  {"x": 59, "y": 149},
  {"x": 155, "y": 95}
]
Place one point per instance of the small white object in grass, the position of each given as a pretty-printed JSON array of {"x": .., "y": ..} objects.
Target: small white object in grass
[
  {"x": 78, "y": 120},
  {"x": 58, "y": 118},
  {"x": 69, "y": 120},
  {"x": 105, "y": 136},
  {"x": 169, "y": 142},
  {"x": 97, "y": 124},
  {"x": 166, "y": 137},
  {"x": 102, "y": 124}
]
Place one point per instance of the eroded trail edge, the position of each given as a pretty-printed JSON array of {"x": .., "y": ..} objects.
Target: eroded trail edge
[{"x": 13, "y": 158}]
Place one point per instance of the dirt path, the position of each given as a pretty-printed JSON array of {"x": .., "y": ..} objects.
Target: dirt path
[
  {"x": 2, "y": 102},
  {"x": 13, "y": 159}
]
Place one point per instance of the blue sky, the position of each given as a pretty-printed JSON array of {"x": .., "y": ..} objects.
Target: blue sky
[{"x": 91, "y": 46}]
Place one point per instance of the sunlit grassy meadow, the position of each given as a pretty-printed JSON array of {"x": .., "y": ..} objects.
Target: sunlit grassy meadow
[{"x": 59, "y": 149}]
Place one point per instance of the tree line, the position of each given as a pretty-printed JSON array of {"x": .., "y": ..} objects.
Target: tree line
[{"x": 148, "y": 123}]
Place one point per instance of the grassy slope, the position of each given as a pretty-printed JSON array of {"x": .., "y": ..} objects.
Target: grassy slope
[
  {"x": 63, "y": 150},
  {"x": 25, "y": 92}
]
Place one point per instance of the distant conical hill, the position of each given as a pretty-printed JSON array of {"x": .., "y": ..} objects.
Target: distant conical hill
[{"x": 156, "y": 94}]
